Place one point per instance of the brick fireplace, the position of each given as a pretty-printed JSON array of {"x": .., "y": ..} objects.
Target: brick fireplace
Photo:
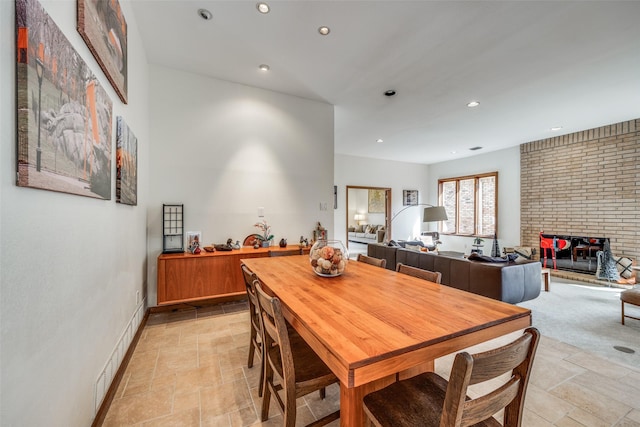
[
  {"x": 584, "y": 184},
  {"x": 570, "y": 253}
]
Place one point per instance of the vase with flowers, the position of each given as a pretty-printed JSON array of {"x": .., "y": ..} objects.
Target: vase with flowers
[{"x": 265, "y": 236}]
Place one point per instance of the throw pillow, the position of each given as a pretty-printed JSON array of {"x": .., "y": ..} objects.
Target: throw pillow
[
  {"x": 523, "y": 251},
  {"x": 414, "y": 248},
  {"x": 360, "y": 229},
  {"x": 426, "y": 240},
  {"x": 623, "y": 264},
  {"x": 352, "y": 229}
]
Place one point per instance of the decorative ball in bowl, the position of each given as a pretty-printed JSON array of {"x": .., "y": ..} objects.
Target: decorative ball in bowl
[{"x": 328, "y": 258}]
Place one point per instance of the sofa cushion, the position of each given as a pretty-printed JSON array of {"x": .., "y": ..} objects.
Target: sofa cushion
[
  {"x": 414, "y": 248},
  {"x": 623, "y": 264}
]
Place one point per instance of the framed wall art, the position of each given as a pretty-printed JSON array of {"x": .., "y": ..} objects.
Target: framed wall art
[
  {"x": 126, "y": 164},
  {"x": 64, "y": 115},
  {"x": 376, "y": 201},
  {"x": 409, "y": 197},
  {"x": 103, "y": 27}
]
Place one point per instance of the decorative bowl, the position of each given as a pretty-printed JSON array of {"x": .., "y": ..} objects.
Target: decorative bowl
[{"x": 328, "y": 258}]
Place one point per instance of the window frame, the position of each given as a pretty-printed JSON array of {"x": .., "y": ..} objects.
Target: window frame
[{"x": 476, "y": 178}]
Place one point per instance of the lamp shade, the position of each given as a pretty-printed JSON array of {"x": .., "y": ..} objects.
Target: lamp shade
[{"x": 434, "y": 213}]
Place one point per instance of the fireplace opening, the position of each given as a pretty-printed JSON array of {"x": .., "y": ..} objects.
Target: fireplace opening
[{"x": 571, "y": 253}]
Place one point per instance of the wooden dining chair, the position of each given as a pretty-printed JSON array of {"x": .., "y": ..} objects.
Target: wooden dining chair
[
  {"x": 430, "y": 400},
  {"x": 432, "y": 276},
  {"x": 256, "y": 339},
  {"x": 373, "y": 261},
  {"x": 290, "y": 364},
  {"x": 286, "y": 252}
]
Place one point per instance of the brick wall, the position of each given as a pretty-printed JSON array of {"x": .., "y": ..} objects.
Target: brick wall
[{"x": 585, "y": 183}]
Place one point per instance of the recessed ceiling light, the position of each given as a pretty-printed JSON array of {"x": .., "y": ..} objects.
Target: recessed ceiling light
[
  {"x": 555, "y": 128},
  {"x": 264, "y": 67},
  {"x": 390, "y": 92},
  {"x": 379, "y": 140},
  {"x": 324, "y": 30},
  {"x": 473, "y": 104},
  {"x": 262, "y": 7},
  {"x": 205, "y": 14},
  {"x": 454, "y": 152}
]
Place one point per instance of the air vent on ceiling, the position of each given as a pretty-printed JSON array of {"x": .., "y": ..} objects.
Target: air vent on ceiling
[{"x": 475, "y": 148}]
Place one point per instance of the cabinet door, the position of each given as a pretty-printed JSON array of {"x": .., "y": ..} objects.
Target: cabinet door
[{"x": 200, "y": 277}]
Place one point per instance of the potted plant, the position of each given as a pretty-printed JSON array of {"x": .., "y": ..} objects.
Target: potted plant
[{"x": 265, "y": 237}]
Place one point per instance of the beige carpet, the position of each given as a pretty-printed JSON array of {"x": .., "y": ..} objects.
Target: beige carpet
[{"x": 588, "y": 317}]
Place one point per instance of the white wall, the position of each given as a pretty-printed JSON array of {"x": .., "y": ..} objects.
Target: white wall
[
  {"x": 70, "y": 266},
  {"x": 361, "y": 171},
  {"x": 224, "y": 149},
  {"x": 507, "y": 163}
]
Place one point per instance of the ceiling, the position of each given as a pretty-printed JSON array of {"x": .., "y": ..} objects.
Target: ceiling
[{"x": 532, "y": 65}]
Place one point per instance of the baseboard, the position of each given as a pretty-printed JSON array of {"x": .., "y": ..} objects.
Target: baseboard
[{"x": 103, "y": 395}]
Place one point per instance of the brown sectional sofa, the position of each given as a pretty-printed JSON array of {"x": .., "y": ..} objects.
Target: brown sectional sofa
[{"x": 505, "y": 281}]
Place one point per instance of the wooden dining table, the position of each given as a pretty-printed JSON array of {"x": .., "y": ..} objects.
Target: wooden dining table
[{"x": 373, "y": 326}]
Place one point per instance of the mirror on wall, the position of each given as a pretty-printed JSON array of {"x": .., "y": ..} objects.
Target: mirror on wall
[{"x": 367, "y": 216}]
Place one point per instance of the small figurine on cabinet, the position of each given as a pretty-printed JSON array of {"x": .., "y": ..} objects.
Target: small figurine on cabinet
[
  {"x": 236, "y": 245},
  {"x": 320, "y": 233},
  {"x": 283, "y": 243},
  {"x": 194, "y": 245}
]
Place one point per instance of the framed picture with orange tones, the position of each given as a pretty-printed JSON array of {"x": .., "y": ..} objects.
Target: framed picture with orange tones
[
  {"x": 104, "y": 29},
  {"x": 64, "y": 115},
  {"x": 126, "y": 164}
]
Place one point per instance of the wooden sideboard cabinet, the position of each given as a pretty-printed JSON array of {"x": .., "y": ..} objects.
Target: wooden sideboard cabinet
[{"x": 185, "y": 277}]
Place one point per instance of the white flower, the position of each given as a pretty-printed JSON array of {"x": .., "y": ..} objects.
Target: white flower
[{"x": 265, "y": 228}]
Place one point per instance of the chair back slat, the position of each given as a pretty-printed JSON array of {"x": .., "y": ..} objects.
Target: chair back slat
[
  {"x": 484, "y": 407},
  {"x": 372, "y": 261},
  {"x": 496, "y": 362},
  {"x": 431, "y": 276}
]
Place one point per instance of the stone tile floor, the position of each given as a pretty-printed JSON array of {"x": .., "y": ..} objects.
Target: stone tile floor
[{"x": 190, "y": 369}]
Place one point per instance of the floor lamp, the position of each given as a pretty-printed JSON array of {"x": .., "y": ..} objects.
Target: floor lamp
[{"x": 431, "y": 214}]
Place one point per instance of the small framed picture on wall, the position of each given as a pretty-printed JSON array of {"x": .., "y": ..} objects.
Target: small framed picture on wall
[{"x": 409, "y": 197}]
